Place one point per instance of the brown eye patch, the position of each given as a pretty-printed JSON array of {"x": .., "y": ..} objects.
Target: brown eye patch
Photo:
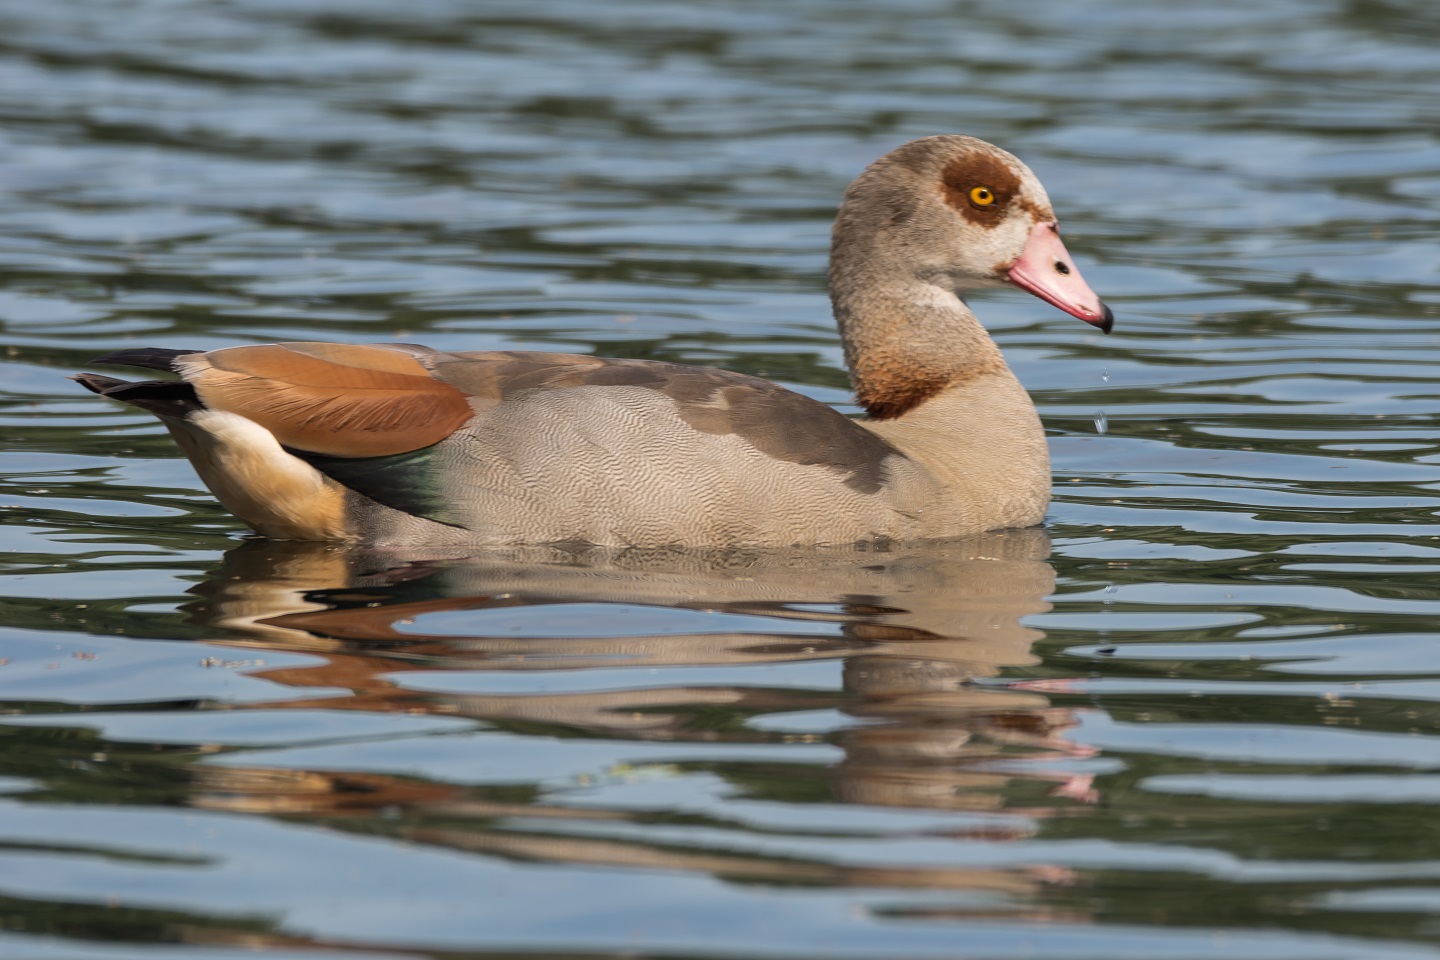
[{"x": 978, "y": 169}]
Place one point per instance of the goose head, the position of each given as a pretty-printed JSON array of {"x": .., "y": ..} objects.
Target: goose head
[{"x": 922, "y": 226}]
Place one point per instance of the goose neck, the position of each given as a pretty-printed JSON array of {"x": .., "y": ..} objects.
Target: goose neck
[{"x": 908, "y": 341}]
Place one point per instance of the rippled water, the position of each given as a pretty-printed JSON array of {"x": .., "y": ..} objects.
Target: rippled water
[{"x": 1197, "y": 719}]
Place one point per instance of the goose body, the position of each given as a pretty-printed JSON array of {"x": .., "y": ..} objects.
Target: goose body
[{"x": 402, "y": 444}]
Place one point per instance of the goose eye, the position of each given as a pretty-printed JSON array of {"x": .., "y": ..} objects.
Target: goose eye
[{"x": 982, "y": 196}]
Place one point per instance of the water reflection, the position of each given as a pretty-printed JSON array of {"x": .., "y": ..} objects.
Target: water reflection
[{"x": 912, "y": 630}]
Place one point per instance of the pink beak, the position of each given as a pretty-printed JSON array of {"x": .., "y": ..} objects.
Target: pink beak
[{"x": 1046, "y": 270}]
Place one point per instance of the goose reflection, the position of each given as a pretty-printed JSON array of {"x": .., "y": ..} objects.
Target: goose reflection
[{"x": 912, "y": 628}]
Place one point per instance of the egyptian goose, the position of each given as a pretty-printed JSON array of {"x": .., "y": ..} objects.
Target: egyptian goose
[{"x": 400, "y": 444}]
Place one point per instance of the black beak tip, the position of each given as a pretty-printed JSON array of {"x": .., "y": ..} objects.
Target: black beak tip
[{"x": 1107, "y": 319}]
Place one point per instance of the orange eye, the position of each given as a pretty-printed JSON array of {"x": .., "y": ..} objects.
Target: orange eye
[{"x": 982, "y": 196}]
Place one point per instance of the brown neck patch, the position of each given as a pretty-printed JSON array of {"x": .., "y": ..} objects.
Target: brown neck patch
[
  {"x": 886, "y": 397},
  {"x": 892, "y": 389},
  {"x": 898, "y": 404},
  {"x": 980, "y": 169}
]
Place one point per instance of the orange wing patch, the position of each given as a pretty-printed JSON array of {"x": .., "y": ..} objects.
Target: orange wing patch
[{"x": 336, "y": 399}]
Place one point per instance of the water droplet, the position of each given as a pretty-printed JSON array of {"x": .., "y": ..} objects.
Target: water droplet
[{"x": 1101, "y": 424}]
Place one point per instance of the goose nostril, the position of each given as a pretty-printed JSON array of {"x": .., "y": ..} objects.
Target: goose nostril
[{"x": 1062, "y": 268}]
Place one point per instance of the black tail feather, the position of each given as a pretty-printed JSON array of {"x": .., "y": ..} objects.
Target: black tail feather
[
  {"x": 95, "y": 383},
  {"x": 155, "y": 358},
  {"x": 164, "y": 398}
]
